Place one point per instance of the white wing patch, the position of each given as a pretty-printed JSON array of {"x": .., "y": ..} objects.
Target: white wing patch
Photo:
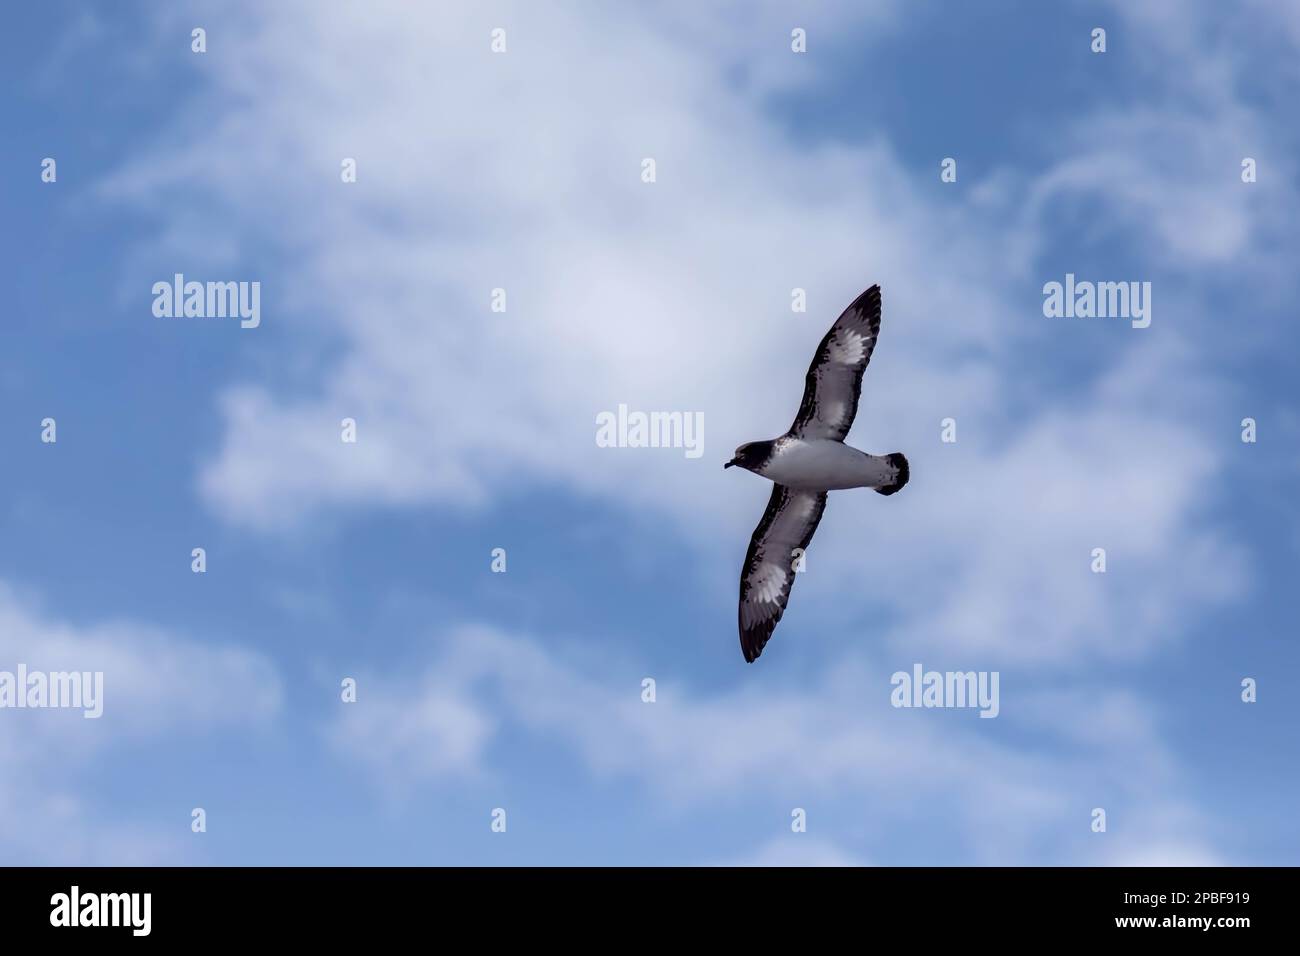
[
  {"x": 834, "y": 380},
  {"x": 847, "y": 347},
  {"x": 767, "y": 582}
]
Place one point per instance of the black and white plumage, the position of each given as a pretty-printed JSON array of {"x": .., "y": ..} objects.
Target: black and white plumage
[{"x": 805, "y": 463}]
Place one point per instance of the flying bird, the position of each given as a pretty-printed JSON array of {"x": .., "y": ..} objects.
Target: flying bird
[{"x": 805, "y": 463}]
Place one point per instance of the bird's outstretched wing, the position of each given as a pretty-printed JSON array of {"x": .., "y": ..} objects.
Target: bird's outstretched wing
[
  {"x": 834, "y": 382},
  {"x": 765, "y": 580}
]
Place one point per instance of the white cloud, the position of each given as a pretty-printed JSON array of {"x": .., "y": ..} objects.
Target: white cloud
[
  {"x": 1169, "y": 167},
  {"x": 1172, "y": 854},
  {"x": 664, "y": 296},
  {"x": 991, "y": 555},
  {"x": 796, "y": 850},
  {"x": 833, "y": 740},
  {"x": 155, "y": 686},
  {"x": 521, "y": 171}
]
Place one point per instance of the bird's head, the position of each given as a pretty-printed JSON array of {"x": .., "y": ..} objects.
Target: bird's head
[{"x": 752, "y": 455}]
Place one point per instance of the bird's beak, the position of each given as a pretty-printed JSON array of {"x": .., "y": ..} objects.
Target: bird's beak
[{"x": 729, "y": 464}]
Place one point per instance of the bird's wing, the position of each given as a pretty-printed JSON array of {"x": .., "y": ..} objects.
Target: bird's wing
[
  {"x": 834, "y": 382},
  {"x": 765, "y": 580}
]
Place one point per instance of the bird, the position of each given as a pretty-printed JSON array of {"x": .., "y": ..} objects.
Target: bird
[{"x": 806, "y": 463}]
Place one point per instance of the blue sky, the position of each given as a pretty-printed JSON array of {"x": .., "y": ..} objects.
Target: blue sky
[{"x": 522, "y": 690}]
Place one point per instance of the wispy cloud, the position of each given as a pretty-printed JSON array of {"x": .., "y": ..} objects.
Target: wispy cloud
[
  {"x": 834, "y": 741},
  {"x": 521, "y": 171},
  {"x": 676, "y": 295},
  {"x": 156, "y": 686}
]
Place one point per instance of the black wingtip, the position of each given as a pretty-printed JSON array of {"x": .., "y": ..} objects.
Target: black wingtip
[
  {"x": 903, "y": 473},
  {"x": 870, "y": 298},
  {"x": 753, "y": 641}
]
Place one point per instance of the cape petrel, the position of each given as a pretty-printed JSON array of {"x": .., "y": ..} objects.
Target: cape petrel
[{"x": 805, "y": 463}]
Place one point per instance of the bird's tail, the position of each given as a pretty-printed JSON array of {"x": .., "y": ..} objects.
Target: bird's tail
[{"x": 901, "y": 474}]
